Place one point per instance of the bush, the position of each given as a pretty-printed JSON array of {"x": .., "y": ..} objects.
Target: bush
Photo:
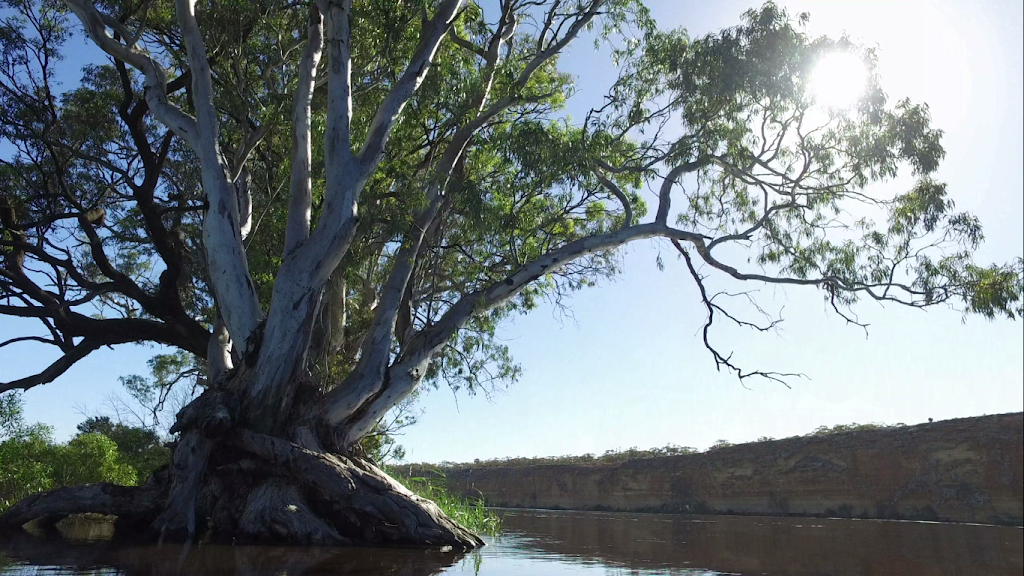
[
  {"x": 25, "y": 465},
  {"x": 11, "y": 415},
  {"x": 30, "y": 460},
  {"x": 90, "y": 458},
  {"x": 852, "y": 427},
  {"x": 140, "y": 448},
  {"x": 609, "y": 457},
  {"x": 33, "y": 462}
]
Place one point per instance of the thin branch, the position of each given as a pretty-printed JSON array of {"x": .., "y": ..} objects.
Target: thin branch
[
  {"x": 81, "y": 350},
  {"x": 434, "y": 30},
  {"x": 720, "y": 360},
  {"x": 627, "y": 207}
]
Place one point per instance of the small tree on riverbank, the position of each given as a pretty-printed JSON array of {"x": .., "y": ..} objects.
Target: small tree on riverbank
[{"x": 330, "y": 203}]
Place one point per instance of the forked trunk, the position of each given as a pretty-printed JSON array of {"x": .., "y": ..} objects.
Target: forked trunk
[{"x": 264, "y": 454}]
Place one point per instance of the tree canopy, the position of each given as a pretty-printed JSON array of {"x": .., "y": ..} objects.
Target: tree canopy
[{"x": 103, "y": 205}]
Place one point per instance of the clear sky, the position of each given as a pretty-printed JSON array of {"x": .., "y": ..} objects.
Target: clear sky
[{"x": 628, "y": 368}]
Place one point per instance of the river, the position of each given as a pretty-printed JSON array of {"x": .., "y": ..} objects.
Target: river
[{"x": 563, "y": 543}]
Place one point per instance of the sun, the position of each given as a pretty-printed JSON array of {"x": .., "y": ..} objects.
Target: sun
[{"x": 838, "y": 80}]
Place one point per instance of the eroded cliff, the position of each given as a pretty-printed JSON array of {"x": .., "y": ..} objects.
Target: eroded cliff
[{"x": 965, "y": 470}]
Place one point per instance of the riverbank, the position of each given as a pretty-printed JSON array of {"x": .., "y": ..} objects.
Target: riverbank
[{"x": 963, "y": 470}]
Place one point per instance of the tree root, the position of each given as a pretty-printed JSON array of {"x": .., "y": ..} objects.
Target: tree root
[
  {"x": 250, "y": 487},
  {"x": 188, "y": 466},
  {"x": 275, "y": 511},
  {"x": 128, "y": 503},
  {"x": 362, "y": 502}
]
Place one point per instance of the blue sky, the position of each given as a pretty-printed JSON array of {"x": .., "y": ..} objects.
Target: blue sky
[{"x": 628, "y": 368}]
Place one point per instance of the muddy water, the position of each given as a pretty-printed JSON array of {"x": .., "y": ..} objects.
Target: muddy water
[{"x": 575, "y": 543}]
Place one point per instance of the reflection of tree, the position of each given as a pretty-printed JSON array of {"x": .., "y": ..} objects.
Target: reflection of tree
[
  {"x": 216, "y": 560},
  {"x": 761, "y": 545}
]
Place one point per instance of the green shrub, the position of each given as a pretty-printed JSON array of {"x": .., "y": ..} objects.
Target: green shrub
[
  {"x": 90, "y": 458},
  {"x": 12, "y": 418},
  {"x": 30, "y": 460},
  {"x": 852, "y": 427},
  {"x": 140, "y": 448},
  {"x": 25, "y": 465}
]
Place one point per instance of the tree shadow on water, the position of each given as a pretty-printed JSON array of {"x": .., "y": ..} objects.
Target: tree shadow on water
[{"x": 111, "y": 557}]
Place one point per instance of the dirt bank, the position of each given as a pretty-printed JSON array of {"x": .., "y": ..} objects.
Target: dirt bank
[{"x": 965, "y": 470}]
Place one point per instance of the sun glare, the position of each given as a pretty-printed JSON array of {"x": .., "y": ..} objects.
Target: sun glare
[{"x": 838, "y": 80}]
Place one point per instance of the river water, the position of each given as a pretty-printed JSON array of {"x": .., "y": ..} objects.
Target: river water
[{"x": 548, "y": 543}]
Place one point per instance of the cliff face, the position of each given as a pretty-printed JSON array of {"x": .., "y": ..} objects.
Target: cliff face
[{"x": 966, "y": 470}]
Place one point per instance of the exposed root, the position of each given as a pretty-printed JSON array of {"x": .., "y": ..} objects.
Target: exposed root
[
  {"x": 125, "y": 502},
  {"x": 188, "y": 466},
  {"x": 276, "y": 512},
  {"x": 364, "y": 503},
  {"x": 250, "y": 487}
]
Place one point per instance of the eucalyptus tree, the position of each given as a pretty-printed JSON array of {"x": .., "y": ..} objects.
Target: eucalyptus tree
[{"x": 331, "y": 203}]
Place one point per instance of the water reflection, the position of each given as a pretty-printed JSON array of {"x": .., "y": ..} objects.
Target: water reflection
[
  {"x": 562, "y": 543},
  {"x": 653, "y": 543},
  {"x": 29, "y": 552}
]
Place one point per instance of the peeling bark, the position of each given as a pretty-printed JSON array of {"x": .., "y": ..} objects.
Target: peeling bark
[{"x": 276, "y": 511}]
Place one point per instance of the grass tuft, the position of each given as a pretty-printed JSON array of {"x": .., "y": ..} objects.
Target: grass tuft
[{"x": 469, "y": 512}]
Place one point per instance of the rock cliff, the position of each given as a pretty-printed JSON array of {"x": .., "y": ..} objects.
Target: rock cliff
[{"x": 965, "y": 470}]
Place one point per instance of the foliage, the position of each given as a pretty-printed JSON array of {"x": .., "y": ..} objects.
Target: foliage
[
  {"x": 31, "y": 461},
  {"x": 154, "y": 393},
  {"x": 12, "y": 418},
  {"x": 90, "y": 458},
  {"x": 26, "y": 465},
  {"x": 381, "y": 444},
  {"x": 609, "y": 457},
  {"x": 140, "y": 448},
  {"x": 34, "y": 462},
  {"x": 852, "y": 427}
]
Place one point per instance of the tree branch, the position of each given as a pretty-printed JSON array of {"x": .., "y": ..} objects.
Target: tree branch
[
  {"x": 301, "y": 200},
  {"x": 81, "y": 350},
  {"x": 155, "y": 78},
  {"x": 627, "y": 207},
  {"x": 387, "y": 115},
  {"x": 229, "y": 271},
  {"x": 720, "y": 360},
  {"x": 665, "y": 193}
]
